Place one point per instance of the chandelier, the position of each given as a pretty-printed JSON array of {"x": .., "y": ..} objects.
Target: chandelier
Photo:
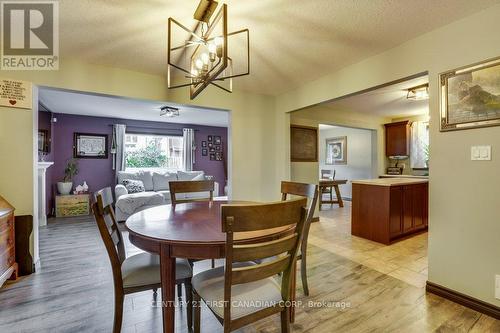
[
  {"x": 418, "y": 93},
  {"x": 169, "y": 111},
  {"x": 207, "y": 54}
]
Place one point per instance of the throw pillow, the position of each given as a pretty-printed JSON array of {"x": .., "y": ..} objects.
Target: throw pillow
[
  {"x": 189, "y": 175},
  {"x": 161, "y": 180},
  {"x": 133, "y": 186}
]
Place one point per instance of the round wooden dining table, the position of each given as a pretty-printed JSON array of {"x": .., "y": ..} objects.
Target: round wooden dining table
[{"x": 190, "y": 230}]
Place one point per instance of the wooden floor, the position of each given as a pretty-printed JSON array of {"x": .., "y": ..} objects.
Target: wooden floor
[{"x": 356, "y": 286}]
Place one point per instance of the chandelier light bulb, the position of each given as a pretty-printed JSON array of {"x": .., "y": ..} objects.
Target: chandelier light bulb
[
  {"x": 194, "y": 72},
  {"x": 212, "y": 48},
  {"x": 205, "y": 58},
  {"x": 218, "y": 41},
  {"x": 199, "y": 63}
]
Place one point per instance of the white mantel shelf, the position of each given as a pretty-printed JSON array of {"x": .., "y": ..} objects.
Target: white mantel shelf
[{"x": 42, "y": 206}]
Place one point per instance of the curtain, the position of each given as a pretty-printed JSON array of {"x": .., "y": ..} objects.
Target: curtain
[
  {"x": 419, "y": 144},
  {"x": 189, "y": 148},
  {"x": 118, "y": 148}
]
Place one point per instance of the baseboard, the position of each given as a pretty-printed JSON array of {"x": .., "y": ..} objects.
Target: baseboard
[{"x": 468, "y": 301}]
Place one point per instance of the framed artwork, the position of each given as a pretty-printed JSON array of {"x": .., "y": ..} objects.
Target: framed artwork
[
  {"x": 470, "y": 96},
  {"x": 336, "y": 150},
  {"x": 212, "y": 157},
  {"x": 87, "y": 145},
  {"x": 43, "y": 141},
  {"x": 218, "y": 156},
  {"x": 218, "y": 148},
  {"x": 303, "y": 143},
  {"x": 212, "y": 149},
  {"x": 217, "y": 140},
  {"x": 209, "y": 139},
  {"x": 203, "y": 144},
  {"x": 204, "y": 152}
]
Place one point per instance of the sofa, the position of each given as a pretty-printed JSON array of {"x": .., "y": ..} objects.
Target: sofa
[{"x": 156, "y": 190}]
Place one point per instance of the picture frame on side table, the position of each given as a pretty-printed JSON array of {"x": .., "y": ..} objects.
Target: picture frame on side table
[
  {"x": 87, "y": 145},
  {"x": 470, "y": 96}
]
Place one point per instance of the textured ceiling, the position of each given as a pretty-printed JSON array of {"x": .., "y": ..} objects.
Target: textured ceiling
[
  {"x": 70, "y": 102},
  {"x": 389, "y": 101},
  {"x": 292, "y": 41}
]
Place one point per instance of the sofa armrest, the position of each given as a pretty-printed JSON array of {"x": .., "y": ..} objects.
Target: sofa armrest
[{"x": 120, "y": 190}]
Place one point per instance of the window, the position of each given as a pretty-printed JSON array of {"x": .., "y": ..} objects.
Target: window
[
  {"x": 419, "y": 149},
  {"x": 146, "y": 151}
]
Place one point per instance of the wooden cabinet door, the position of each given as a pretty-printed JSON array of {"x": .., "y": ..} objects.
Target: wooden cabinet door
[
  {"x": 395, "y": 221},
  {"x": 407, "y": 208},
  {"x": 397, "y": 139},
  {"x": 420, "y": 206}
]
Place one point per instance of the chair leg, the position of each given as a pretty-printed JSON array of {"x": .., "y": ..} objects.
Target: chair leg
[
  {"x": 189, "y": 303},
  {"x": 117, "y": 321},
  {"x": 285, "y": 320},
  {"x": 331, "y": 196},
  {"x": 213, "y": 263},
  {"x": 179, "y": 293},
  {"x": 303, "y": 272},
  {"x": 197, "y": 312}
]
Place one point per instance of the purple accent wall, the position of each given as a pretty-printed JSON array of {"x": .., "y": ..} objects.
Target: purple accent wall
[{"x": 98, "y": 173}]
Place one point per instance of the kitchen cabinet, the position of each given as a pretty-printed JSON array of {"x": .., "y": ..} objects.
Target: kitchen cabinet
[
  {"x": 397, "y": 138},
  {"x": 387, "y": 209}
]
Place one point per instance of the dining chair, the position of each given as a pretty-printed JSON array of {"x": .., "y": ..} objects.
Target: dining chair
[
  {"x": 327, "y": 174},
  {"x": 243, "y": 291},
  {"x": 309, "y": 191},
  {"x": 183, "y": 187},
  {"x": 136, "y": 273}
]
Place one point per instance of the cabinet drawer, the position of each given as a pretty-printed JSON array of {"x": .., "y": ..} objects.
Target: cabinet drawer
[
  {"x": 6, "y": 239},
  {"x": 6, "y": 222},
  {"x": 7, "y": 259}
]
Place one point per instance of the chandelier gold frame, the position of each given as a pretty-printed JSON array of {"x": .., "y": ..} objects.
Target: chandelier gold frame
[{"x": 220, "y": 71}]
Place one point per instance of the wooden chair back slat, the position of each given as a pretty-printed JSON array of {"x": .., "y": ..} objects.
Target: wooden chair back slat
[
  {"x": 108, "y": 228},
  {"x": 178, "y": 186},
  {"x": 253, "y": 252},
  {"x": 262, "y": 216},
  {"x": 260, "y": 271}
]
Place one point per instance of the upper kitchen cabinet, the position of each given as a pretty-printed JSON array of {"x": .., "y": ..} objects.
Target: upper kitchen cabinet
[{"x": 397, "y": 138}]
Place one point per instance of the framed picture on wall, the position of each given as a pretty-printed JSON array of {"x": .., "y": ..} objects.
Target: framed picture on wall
[
  {"x": 87, "y": 145},
  {"x": 303, "y": 143},
  {"x": 209, "y": 139},
  {"x": 470, "y": 96},
  {"x": 218, "y": 148},
  {"x": 336, "y": 150},
  {"x": 212, "y": 157},
  {"x": 218, "y": 156},
  {"x": 204, "y": 152},
  {"x": 43, "y": 141},
  {"x": 203, "y": 144},
  {"x": 217, "y": 140},
  {"x": 212, "y": 149}
]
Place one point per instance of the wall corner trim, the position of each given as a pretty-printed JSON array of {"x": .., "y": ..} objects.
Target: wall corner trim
[{"x": 465, "y": 300}]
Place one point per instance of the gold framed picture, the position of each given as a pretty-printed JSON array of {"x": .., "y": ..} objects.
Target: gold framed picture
[{"x": 470, "y": 96}]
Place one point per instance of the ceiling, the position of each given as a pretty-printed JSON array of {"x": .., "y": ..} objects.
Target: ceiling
[
  {"x": 389, "y": 101},
  {"x": 68, "y": 102},
  {"x": 292, "y": 41}
]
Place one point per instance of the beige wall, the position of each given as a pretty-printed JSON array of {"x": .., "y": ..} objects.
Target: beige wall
[{"x": 464, "y": 228}]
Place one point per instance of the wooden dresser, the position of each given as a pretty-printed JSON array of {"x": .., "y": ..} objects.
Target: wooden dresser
[{"x": 8, "y": 265}]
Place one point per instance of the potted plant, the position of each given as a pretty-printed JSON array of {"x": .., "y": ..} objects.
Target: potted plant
[{"x": 70, "y": 171}]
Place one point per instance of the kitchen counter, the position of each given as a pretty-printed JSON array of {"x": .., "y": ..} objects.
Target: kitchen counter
[
  {"x": 391, "y": 181},
  {"x": 403, "y": 176}
]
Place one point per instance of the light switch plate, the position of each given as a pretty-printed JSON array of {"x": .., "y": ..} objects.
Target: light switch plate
[
  {"x": 497, "y": 286},
  {"x": 480, "y": 153}
]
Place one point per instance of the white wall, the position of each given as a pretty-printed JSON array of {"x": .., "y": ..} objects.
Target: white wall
[{"x": 359, "y": 155}]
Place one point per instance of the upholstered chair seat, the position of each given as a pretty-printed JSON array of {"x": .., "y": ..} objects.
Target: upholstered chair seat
[{"x": 144, "y": 269}]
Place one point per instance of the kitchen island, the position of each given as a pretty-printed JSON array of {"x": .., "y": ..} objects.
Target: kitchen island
[{"x": 385, "y": 210}]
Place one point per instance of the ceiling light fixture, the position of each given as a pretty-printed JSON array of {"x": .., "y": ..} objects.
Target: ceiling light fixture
[
  {"x": 169, "y": 111},
  {"x": 418, "y": 93},
  {"x": 200, "y": 57}
]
